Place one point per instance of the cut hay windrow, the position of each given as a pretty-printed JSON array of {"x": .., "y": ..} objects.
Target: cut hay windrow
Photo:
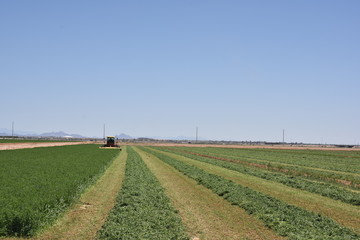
[
  {"x": 328, "y": 166},
  {"x": 322, "y": 188},
  {"x": 142, "y": 210},
  {"x": 285, "y": 219}
]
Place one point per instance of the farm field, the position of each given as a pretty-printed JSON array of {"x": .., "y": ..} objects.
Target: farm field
[
  {"x": 336, "y": 166},
  {"x": 335, "y": 160},
  {"x": 202, "y": 193},
  {"x": 288, "y": 177},
  {"x": 38, "y": 184},
  {"x": 293, "y": 213},
  {"x": 205, "y": 214},
  {"x": 142, "y": 210}
]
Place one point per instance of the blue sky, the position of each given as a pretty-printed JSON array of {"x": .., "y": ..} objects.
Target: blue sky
[{"x": 239, "y": 70}]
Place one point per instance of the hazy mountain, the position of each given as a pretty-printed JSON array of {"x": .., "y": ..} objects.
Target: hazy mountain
[
  {"x": 5, "y": 132},
  {"x": 61, "y": 134},
  {"x": 123, "y": 136},
  {"x": 8, "y": 132}
]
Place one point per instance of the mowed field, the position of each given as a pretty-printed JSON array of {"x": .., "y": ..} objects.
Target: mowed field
[{"x": 163, "y": 192}]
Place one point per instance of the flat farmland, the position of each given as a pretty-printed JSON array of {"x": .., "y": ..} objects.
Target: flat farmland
[
  {"x": 38, "y": 184},
  {"x": 280, "y": 199},
  {"x": 181, "y": 192}
]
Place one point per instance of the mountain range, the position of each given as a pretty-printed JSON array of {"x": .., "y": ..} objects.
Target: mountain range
[
  {"x": 123, "y": 136},
  {"x": 7, "y": 132}
]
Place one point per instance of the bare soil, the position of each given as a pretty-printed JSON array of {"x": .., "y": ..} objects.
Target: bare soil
[{"x": 11, "y": 146}]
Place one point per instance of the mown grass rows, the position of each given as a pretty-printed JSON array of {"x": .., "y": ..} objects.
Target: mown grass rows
[
  {"x": 287, "y": 220},
  {"x": 330, "y": 166},
  {"x": 324, "y": 189},
  {"x": 346, "y": 161},
  {"x": 142, "y": 209},
  {"x": 343, "y": 161},
  {"x": 38, "y": 184},
  {"x": 290, "y": 166}
]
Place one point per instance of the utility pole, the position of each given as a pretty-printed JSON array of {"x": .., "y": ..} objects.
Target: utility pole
[
  {"x": 104, "y": 132},
  {"x": 196, "y": 134},
  {"x": 283, "y": 135},
  {"x": 12, "y": 129}
]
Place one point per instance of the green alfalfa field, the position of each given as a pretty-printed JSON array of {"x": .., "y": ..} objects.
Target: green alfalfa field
[{"x": 153, "y": 192}]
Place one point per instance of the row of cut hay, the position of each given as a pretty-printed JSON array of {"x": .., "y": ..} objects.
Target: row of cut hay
[
  {"x": 142, "y": 210},
  {"x": 323, "y": 188},
  {"x": 285, "y": 219}
]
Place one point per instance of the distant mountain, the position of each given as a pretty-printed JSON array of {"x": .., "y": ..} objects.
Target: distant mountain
[
  {"x": 5, "y": 132},
  {"x": 8, "y": 132},
  {"x": 123, "y": 136},
  {"x": 61, "y": 134}
]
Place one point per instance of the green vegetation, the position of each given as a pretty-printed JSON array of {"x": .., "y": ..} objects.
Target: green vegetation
[
  {"x": 287, "y": 220},
  {"x": 345, "y": 161},
  {"x": 340, "y": 162},
  {"x": 324, "y": 189},
  {"x": 330, "y": 166},
  {"x": 142, "y": 210},
  {"x": 38, "y": 184}
]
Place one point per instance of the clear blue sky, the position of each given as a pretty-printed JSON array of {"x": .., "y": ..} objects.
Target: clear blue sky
[{"x": 240, "y": 70}]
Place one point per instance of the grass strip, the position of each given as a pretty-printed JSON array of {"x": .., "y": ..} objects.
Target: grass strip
[
  {"x": 287, "y": 220},
  {"x": 324, "y": 189},
  {"x": 142, "y": 210}
]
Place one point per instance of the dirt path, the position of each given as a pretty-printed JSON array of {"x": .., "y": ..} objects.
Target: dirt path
[
  {"x": 11, "y": 146},
  {"x": 345, "y": 214},
  {"x": 206, "y": 215},
  {"x": 86, "y": 217}
]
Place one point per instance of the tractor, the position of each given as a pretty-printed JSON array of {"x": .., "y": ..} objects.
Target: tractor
[{"x": 110, "y": 142}]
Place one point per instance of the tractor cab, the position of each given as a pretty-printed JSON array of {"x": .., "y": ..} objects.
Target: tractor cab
[{"x": 110, "y": 141}]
